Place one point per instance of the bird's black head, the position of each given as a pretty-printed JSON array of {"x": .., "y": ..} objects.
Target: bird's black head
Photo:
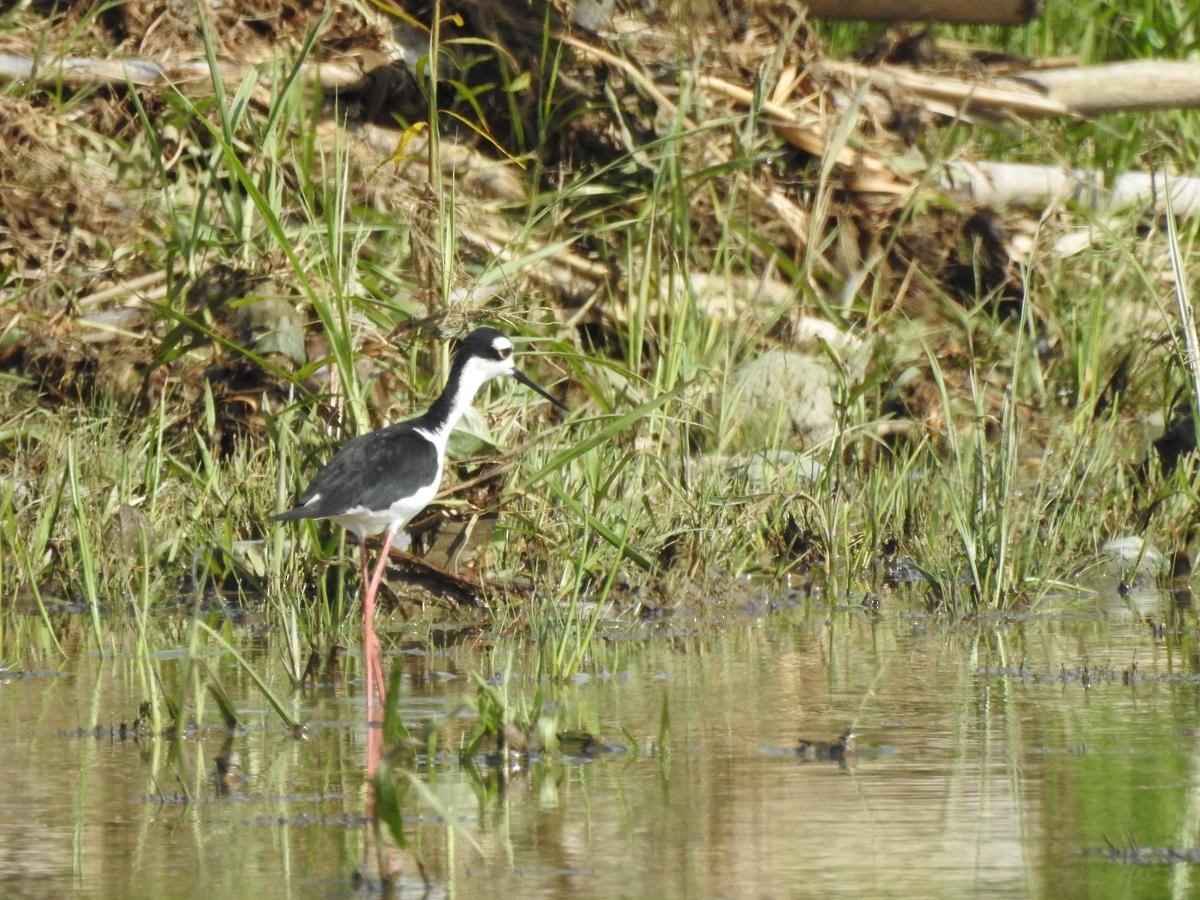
[
  {"x": 488, "y": 354},
  {"x": 485, "y": 344}
]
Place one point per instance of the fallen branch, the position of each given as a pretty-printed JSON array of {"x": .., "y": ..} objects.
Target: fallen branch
[
  {"x": 793, "y": 218},
  {"x": 865, "y": 173},
  {"x": 994, "y": 12},
  {"x": 1042, "y": 92},
  {"x": 1024, "y": 184},
  {"x": 1139, "y": 84},
  {"x": 1018, "y": 98}
]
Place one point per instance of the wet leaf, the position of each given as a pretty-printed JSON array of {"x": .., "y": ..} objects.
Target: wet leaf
[
  {"x": 389, "y": 802},
  {"x": 394, "y": 730}
]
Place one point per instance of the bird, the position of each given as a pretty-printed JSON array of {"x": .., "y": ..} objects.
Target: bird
[
  {"x": 841, "y": 750},
  {"x": 380, "y": 480}
]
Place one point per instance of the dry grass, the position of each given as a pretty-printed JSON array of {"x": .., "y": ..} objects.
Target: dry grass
[{"x": 657, "y": 206}]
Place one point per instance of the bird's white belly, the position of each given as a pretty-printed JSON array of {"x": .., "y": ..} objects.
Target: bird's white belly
[{"x": 364, "y": 522}]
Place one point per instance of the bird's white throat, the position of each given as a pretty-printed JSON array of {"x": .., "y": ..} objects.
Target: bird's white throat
[{"x": 474, "y": 374}]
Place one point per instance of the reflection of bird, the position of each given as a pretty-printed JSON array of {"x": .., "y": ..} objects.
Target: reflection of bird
[{"x": 382, "y": 479}]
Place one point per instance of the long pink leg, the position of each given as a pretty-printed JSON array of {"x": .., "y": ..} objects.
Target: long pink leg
[
  {"x": 370, "y": 643},
  {"x": 375, "y": 683},
  {"x": 368, "y": 632}
]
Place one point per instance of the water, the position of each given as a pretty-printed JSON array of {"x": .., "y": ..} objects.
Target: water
[{"x": 1018, "y": 757}]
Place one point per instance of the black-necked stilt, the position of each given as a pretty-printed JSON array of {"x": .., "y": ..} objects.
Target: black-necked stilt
[{"x": 382, "y": 479}]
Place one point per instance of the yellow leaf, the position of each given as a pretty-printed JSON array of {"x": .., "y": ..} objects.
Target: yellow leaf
[
  {"x": 401, "y": 15},
  {"x": 408, "y": 134}
]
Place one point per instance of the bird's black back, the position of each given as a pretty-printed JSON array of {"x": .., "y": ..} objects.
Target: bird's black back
[{"x": 372, "y": 472}]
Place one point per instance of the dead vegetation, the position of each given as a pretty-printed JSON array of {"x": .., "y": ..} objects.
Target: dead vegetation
[{"x": 817, "y": 165}]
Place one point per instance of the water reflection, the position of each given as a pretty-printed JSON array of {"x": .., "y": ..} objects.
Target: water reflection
[{"x": 985, "y": 763}]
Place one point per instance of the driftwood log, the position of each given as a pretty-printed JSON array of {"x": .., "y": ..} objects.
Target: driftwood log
[
  {"x": 1023, "y": 184},
  {"x": 1133, "y": 85},
  {"x": 995, "y": 12}
]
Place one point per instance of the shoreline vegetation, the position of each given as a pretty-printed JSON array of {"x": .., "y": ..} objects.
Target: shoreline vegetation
[{"x": 796, "y": 351}]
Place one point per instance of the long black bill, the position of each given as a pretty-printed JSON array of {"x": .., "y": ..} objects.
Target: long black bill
[{"x": 530, "y": 383}]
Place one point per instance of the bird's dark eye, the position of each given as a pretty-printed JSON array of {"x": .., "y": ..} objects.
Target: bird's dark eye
[{"x": 505, "y": 352}]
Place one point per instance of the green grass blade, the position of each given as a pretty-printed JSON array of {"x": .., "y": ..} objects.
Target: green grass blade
[
  {"x": 242, "y": 662},
  {"x": 613, "y": 428},
  {"x": 83, "y": 525}
]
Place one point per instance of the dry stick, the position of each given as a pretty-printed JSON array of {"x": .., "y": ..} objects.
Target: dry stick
[
  {"x": 488, "y": 238},
  {"x": 878, "y": 178},
  {"x": 1027, "y": 184},
  {"x": 647, "y": 84},
  {"x": 800, "y": 136},
  {"x": 1131, "y": 85},
  {"x": 153, "y": 74},
  {"x": 1081, "y": 90},
  {"x": 792, "y": 216},
  {"x": 1015, "y": 98},
  {"x": 128, "y": 286},
  {"x": 510, "y": 461},
  {"x": 989, "y": 12},
  {"x": 573, "y": 320}
]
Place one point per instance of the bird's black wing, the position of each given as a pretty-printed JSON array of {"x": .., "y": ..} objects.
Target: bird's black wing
[{"x": 372, "y": 471}]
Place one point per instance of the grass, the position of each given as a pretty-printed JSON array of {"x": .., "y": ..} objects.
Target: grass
[
  {"x": 1095, "y": 34},
  {"x": 1002, "y": 480}
]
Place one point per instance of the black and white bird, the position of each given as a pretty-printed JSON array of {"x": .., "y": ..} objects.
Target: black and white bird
[{"x": 379, "y": 481}]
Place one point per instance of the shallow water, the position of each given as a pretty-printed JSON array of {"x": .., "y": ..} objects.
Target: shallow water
[{"x": 1019, "y": 757}]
